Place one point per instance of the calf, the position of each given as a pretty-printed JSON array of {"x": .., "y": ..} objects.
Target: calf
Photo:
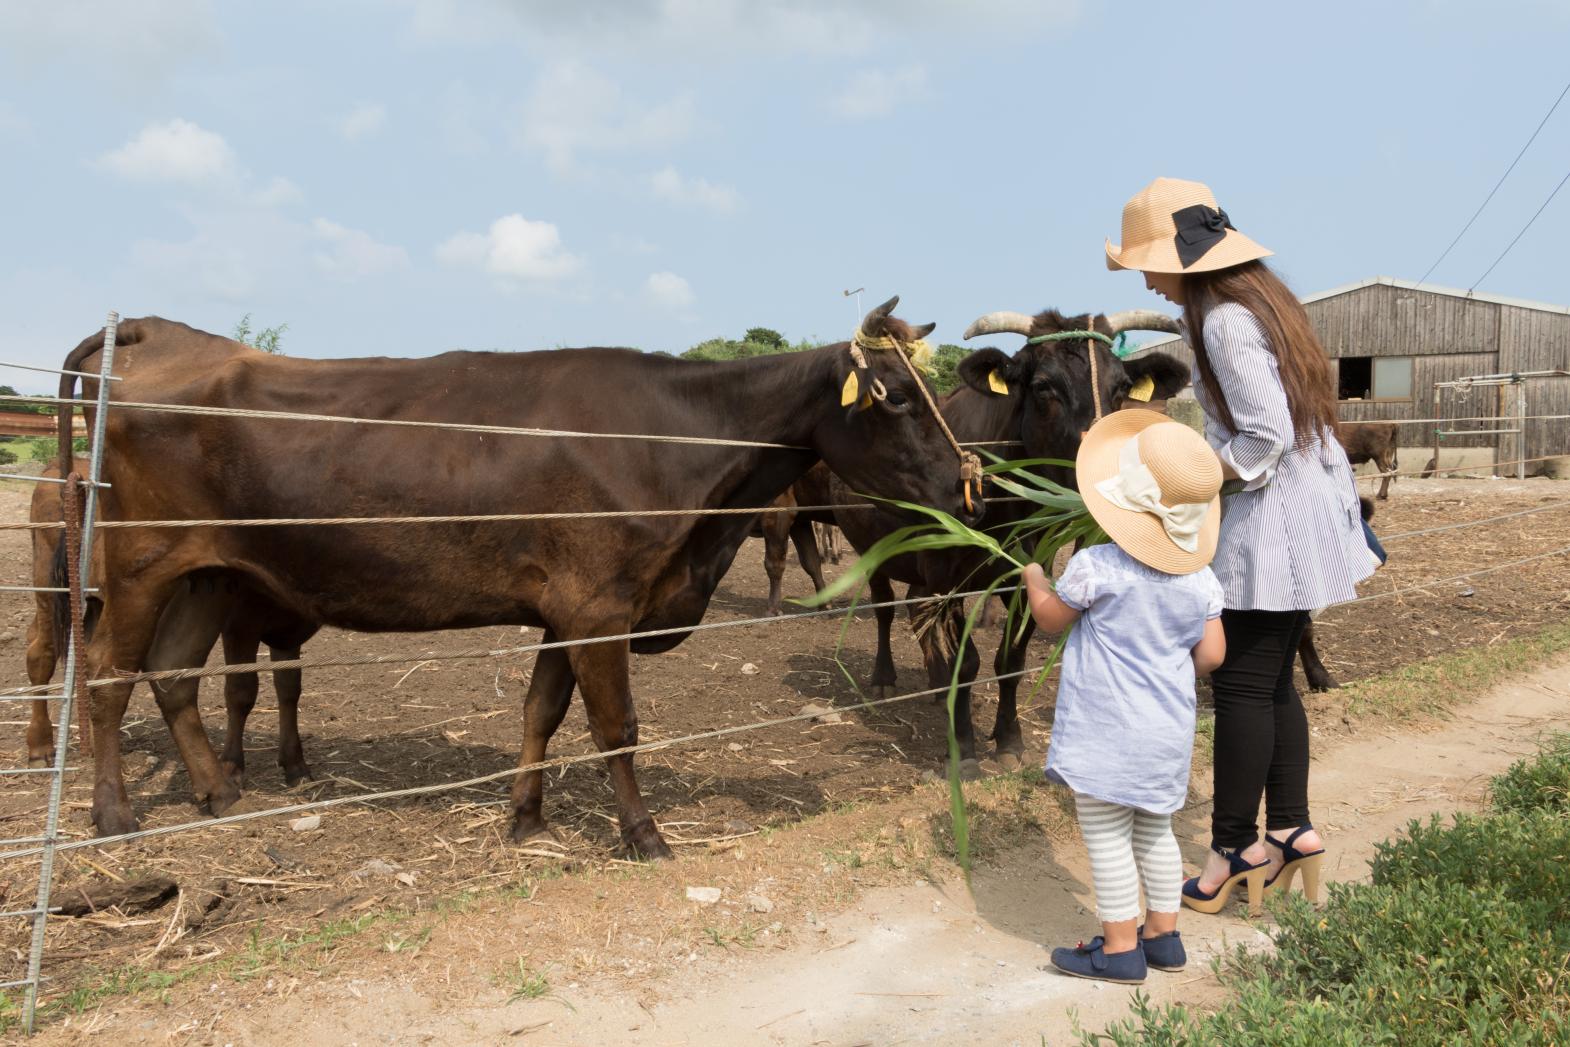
[
  {"x": 249, "y": 620},
  {"x": 1371, "y": 442}
]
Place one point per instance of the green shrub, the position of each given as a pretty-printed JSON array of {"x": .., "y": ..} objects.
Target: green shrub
[
  {"x": 1462, "y": 938},
  {"x": 1541, "y": 782},
  {"x": 1522, "y": 857}
]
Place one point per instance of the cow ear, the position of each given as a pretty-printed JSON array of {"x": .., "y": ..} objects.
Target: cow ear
[
  {"x": 989, "y": 371},
  {"x": 1166, "y": 375}
]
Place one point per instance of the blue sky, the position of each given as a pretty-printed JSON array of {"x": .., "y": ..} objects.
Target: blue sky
[{"x": 402, "y": 177}]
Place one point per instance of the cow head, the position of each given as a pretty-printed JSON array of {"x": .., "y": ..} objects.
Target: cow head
[
  {"x": 885, "y": 437},
  {"x": 1051, "y": 380}
]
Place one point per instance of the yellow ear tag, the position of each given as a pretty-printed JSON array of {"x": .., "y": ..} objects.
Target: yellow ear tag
[
  {"x": 866, "y": 401},
  {"x": 851, "y": 389},
  {"x": 996, "y": 383},
  {"x": 1143, "y": 389}
]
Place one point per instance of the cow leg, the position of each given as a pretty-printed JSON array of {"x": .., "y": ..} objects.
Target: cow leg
[
  {"x": 1387, "y": 467},
  {"x": 187, "y": 631},
  {"x": 1010, "y": 660},
  {"x": 828, "y": 542},
  {"x": 602, "y": 672},
  {"x": 121, "y": 640},
  {"x": 806, "y": 544},
  {"x": 240, "y": 648},
  {"x": 40, "y": 669},
  {"x": 1319, "y": 678},
  {"x": 287, "y": 685},
  {"x": 776, "y": 545},
  {"x": 884, "y": 676},
  {"x": 945, "y": 633},
  {"x": 550, "y": 691}
]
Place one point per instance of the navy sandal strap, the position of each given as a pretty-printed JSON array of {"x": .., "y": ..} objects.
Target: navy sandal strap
[{"x": 1289, "y": 852}]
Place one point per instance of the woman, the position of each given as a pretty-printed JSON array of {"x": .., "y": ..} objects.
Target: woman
[{"x": 1291, "y": 538}]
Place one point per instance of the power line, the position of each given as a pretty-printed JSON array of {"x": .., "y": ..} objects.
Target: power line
[
  {"x": 1495, "y": 189},
  {"x": 1522, "y": 233}
]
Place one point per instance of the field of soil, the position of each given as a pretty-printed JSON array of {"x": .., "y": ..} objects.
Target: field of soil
[{"x": 820, "y": 786}]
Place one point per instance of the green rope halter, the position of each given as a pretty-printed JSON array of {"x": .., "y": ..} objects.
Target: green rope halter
[{"x": 1117, "y": 346}]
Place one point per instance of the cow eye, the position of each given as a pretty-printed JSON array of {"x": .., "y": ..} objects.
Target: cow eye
[{"x": 896, "y": 398}]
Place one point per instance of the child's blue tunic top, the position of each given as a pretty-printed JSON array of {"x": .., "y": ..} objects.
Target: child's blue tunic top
[{"x": 1124, "y": 727}]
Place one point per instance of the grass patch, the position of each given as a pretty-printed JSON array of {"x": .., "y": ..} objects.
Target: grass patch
[
  {"x": 1435, "y": 684},
  {"x": 1462, "y": 937},
  {"x": 526, "y": 982}
]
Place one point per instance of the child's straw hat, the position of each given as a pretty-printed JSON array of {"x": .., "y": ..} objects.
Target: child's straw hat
[{"x": 1154, "y": 486}]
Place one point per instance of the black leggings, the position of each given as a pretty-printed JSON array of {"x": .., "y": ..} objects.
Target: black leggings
[{"x": 1261, "y": 729}]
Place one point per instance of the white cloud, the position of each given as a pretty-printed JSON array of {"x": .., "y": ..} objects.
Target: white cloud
[
  {"x": 513, "y": 249},
  {"x": 146, "y": 40},
  {"x": 173, "y": 151},
  {"x": 670, "y": 185},
  {"x": 276, "y": 193},
  {"x": 363, "y": 122},
  {"x": 574, "y": 109},
  {"x": 349, "y": 254},
  {"x": 874, "y": 93},
  {"x": 668, "y": 291},
  {"x": 728, "y": 28}
]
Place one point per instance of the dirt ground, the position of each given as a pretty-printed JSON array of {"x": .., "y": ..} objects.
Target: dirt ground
[{"x": 782, "y": 820}]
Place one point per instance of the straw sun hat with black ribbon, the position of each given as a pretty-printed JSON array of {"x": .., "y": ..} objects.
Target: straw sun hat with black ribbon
[
  {"x": 1172, "y": 226},
  {"x": 1154, "y": 486}
]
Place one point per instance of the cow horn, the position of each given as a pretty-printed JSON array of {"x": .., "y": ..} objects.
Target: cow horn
[
  {"x": 1001, "y": 323},
  {"x": 881, "y": 311},
  {"x": 1141, "y": 320}
]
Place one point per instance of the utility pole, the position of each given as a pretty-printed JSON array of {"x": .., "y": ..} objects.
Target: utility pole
[{"x": 857, "y": 293}]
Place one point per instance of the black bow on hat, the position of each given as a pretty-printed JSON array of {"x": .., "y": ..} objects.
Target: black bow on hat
[{"x": 1199, "y": 228}]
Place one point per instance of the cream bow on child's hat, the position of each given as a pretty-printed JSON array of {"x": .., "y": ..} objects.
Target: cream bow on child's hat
[{"x": 1154, "y": 486}]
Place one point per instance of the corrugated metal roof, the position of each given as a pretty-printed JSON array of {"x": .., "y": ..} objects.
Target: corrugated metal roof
[{"x": 1408, "y": 285}]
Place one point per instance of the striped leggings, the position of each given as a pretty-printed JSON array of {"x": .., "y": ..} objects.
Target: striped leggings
[{"x": 1128, "y": 846}]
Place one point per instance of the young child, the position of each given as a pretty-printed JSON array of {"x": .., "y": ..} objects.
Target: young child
[{"x": 1148, "y": 609}]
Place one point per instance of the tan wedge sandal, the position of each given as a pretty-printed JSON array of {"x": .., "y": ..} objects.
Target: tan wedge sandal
[
  {"x": 1295, "y": 861},
  {"x": 1240, "y": 871}
]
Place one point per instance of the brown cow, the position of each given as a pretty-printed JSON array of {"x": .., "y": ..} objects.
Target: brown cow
[
  {"x": 252, "y": 619},
  {"x": 1046, "y": 407},
  {"x": 1372, "y": 442},
  {"x": 577, "y": 579},
  {"x": 779, "y": 531}
]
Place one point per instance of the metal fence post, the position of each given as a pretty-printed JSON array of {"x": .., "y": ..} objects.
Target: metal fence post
[{"x": 73, "y": 659}]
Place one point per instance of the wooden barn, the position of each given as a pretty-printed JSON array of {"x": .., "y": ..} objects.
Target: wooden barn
[{"x": 1391, "y": 341}]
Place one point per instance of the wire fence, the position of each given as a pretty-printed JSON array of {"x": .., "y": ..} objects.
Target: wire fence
[{"x": 50, "y": 842}]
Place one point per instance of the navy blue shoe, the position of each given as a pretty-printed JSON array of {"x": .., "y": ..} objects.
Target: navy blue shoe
[
  {"x": 1090, "y": 960},
  {"x": 1164, "y": 952}
]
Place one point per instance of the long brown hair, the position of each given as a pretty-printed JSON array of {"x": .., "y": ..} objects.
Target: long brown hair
[{"x": 1300, "y": 359}]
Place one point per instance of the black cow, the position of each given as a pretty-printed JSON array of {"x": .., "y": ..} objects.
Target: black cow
[{"x": 1045, "y": 408}]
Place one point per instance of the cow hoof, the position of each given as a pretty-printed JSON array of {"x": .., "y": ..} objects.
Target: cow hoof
[
  {"x": 114, "y": 822},
  {"x": 293, "y": 776},
  {"x": 646, "y": 844},
  {"x": 37, "y": 761},
  {"x": 234, "y": 772},
  {"x": 881, "y": 692},
  {"x": 220, "y": 800},
  {"x": 1323, "y": 684},
  {"x": 970, "y": 770},
  {"x": 1010, "y": 762},
  {"x": 526, "y": 827}
]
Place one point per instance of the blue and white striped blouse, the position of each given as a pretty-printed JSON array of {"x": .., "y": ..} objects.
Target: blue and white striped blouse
[{"x": 1292, "y": 539}]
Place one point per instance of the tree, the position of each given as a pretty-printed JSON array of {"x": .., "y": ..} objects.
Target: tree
[
  {"x": 268, "y": 339},
  {"x": 758, "y": 341},
  {"x": 766, "y": 336},
  {"x": 945, "y": 366},
  {"x": 6, "y": 405}
]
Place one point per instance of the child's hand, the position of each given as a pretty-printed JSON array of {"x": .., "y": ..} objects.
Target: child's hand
[{"x": 1035, "y": 578}]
